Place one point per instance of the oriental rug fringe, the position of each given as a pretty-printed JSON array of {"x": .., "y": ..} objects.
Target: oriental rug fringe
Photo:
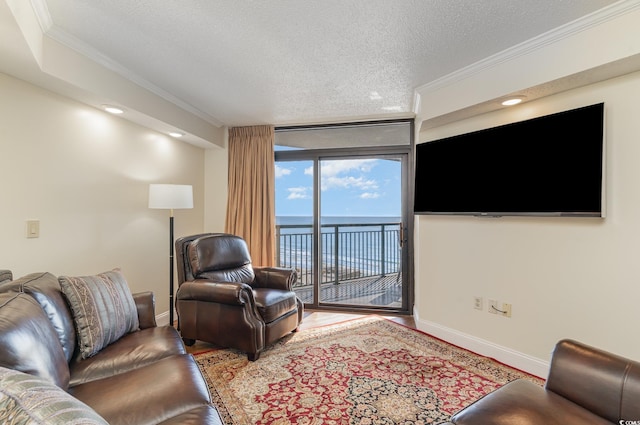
[{"x": 365, "y": 371}]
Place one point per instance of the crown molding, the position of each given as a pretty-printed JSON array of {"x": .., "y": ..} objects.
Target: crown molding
[
  {"x": 50, "y": 30},
  {"x": 551, "y": 37},
  {"x": 43, "y": 16}
]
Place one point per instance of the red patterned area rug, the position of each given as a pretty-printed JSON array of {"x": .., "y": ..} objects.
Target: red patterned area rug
[{"x": 366, "y": 371}]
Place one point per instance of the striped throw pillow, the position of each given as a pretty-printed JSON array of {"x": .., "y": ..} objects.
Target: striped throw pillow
[{"x": 103, "y": 309}]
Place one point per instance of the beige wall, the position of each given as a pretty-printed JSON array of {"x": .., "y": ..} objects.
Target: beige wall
[
  {"x": 216, "y": 174},
  {"x": 85, "y": 174},
  {"x": 565, "y": 277}
]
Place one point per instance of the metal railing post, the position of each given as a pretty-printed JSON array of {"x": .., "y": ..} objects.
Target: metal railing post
[
  {"x": 383, "y": 259},
  {"x": 278, "y": 262},
  {"x": 336, "y": 250}
]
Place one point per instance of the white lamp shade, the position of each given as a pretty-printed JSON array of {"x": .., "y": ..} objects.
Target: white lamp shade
[{"x": 170, "y": 196}]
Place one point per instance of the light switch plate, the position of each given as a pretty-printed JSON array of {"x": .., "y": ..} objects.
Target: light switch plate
[{"x": 33, "y": 228}]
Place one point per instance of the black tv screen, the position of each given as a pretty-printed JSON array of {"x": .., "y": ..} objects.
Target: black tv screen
[{"x": 546, "y": 166}]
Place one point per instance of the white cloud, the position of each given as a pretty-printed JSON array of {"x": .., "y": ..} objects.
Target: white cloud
[
  {"x": 369, "y": 195},
  {"x": 347, "y": 174},
  {"x": 334, "y": 168},
  {"x": 281, "y": 171},
  {"x": 348, "y": 182},
  {"x": 298, "y": 192}
]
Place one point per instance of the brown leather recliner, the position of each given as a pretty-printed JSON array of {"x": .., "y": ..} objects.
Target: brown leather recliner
[{"x": 223, "y": 300}]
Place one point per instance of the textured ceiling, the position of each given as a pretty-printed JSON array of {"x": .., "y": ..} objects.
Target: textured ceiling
[{"x": 241, "y": 62}]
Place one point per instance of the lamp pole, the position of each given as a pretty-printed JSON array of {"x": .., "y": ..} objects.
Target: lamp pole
[
  {"x": 170, "y": 197},
  {"x": 171, "y": 250}
]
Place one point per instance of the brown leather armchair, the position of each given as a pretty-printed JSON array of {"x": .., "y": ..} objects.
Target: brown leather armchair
[{"x": 223, "y": 300}]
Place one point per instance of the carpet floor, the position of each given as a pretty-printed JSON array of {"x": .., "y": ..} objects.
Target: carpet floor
[{"x": 364, "y": 371}]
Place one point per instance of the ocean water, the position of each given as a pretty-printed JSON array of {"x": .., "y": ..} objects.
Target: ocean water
[
  {"x": 308, "y": 220},
  {"x": 351, "y": 247}
]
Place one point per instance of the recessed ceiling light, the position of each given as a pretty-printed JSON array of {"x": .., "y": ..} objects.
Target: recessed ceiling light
[
  {"x": 513, "y": 100},
  {"x": 175, "y": 134},
  {"x": 113, "y": 109}
]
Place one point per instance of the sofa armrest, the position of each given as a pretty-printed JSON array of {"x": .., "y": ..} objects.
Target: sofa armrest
[
  {"x": 6, "y": 275},
  {"x": 275, "y": 278},
  {"x": 232, "y": 293},
  {"x": 603, "y": 383},
  {"x": 524, "y": 402},
  {"x": 146, "y": 305}
]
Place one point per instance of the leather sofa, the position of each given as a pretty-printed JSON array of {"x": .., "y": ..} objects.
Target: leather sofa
[
  {"x": 145, "y": 377},
  {"x": 5, "y": 276},
  {"x": 585, "y": 385}
]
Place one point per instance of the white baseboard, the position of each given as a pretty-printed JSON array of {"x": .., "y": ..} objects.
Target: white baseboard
[
  {"x": 162, "y": 319},
  {"x": 516, "y": 359}
]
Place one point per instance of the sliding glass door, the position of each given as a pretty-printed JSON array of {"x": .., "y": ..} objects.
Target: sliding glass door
[
  {"x": 360, "y": 253},
  {"x": 342, "y": 213}
]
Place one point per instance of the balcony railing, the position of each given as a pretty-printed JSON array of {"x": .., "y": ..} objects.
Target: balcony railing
[{"x": 349, "y": 251}]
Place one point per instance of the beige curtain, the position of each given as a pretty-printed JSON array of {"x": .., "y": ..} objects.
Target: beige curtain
[{"x": 251, "y": 199}]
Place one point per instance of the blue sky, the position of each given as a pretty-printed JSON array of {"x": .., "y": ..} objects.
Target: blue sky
[{"x": 357, "y": 187}]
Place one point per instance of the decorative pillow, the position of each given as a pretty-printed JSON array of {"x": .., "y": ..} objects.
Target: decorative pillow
[
  {"x": 28, "y": 399},
  {"x": 103, "y": 309}
]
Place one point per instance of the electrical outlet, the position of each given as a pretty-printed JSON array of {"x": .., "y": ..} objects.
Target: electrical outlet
[
  {"x": 493, "y": 307},
  {"x": 477, "y": 303},
  {"x": 506, "y": 308}
]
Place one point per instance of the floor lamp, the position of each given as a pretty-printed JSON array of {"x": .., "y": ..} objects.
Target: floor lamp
[{"x": 170, "y": 197}]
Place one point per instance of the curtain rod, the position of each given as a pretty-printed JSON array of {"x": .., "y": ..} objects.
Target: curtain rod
[{"x": 344, "y": 125}]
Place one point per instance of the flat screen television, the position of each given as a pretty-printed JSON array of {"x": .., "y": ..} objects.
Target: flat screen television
[{"x": 545, "y": 166}]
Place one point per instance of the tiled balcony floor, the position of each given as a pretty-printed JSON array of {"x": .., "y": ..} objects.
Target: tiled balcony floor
[{"x": 379, "y": 291}]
